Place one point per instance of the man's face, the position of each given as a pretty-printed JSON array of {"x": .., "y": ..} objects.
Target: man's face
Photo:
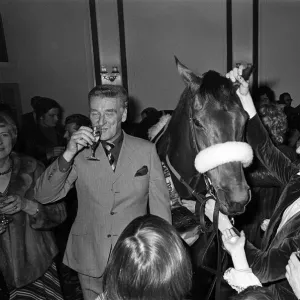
[
  {"x": 109, "y": 114},
  {"x": 69, "y": 130}
]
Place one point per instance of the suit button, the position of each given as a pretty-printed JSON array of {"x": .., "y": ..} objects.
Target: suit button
[
  {"x": 112, "y": 213},
  {"x": 109, "y": 235}
]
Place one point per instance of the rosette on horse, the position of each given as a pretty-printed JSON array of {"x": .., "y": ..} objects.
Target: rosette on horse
[{"x": 203, "y": 152}]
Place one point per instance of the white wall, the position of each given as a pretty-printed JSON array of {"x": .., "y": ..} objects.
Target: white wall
[
  {"x": 49, "y": 49},
  {"x": 279, "y": 44},
  {"x": 49, "y": 46},
  {"x": 108, "y": 33},
  {"x": 156, "y": 30}
]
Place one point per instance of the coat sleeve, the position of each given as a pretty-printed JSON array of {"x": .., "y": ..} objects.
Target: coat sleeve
[
  {"x": 54, "y": 184},
  {"x": 261, "y": 177},
  {"x": 272, "y": 158},
  {"x": 159, "y": 200},
  {"x": 48, "y": 216},
  {"x": 269, "y": 266}
]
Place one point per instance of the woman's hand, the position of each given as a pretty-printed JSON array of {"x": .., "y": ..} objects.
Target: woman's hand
[
  {"x": 224, "y": 222},
  {"x": 293, "y": 274},
  {"x": 235, "y": 75},
  {"x": 235, "y": 246},
  {"x": 232, "y": 242},
  {"x": 12, "y": 204}
]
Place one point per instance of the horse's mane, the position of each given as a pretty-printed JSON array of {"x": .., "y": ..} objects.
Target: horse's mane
[
  {"x": 214, "y": 87},
  {"x": 219, "y": 88}
]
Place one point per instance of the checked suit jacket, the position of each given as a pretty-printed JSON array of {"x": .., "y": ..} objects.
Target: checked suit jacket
[{"x": 107, "y": 201}]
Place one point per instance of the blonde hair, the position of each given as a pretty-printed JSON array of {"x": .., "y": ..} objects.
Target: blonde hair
[{"x": 7, "y": 121}]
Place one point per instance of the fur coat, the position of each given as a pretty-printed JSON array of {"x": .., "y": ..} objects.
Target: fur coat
[{"x": 27, "y": 247}]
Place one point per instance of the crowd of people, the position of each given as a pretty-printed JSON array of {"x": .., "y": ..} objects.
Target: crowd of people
[{"x": 76, "y": 228}]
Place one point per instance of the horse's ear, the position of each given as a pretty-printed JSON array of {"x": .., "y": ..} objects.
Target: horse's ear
[{"x": 189, "y": 78}]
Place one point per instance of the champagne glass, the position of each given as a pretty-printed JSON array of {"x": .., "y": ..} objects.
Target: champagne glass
[
  {"x": 4, "y": 220},
  {"x": 97, "y": 135}
]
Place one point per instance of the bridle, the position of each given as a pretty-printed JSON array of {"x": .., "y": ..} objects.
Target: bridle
[{"x": 201, "y": 200}]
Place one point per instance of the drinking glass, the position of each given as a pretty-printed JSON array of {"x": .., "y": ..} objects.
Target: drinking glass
[
  {"x": 4, "y": 220},
  {"x": 97, "y": 135}
]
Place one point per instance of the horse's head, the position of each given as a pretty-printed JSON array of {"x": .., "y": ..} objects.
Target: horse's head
[{"x": 211, "y": 120}]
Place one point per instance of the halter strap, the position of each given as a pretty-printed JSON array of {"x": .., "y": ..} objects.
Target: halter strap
[{"x": 201, "y": 199}]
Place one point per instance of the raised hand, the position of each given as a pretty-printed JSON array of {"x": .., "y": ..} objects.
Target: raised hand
[
  {"x": 79, "y": 139},
  {"x": 235, "y": 75}
]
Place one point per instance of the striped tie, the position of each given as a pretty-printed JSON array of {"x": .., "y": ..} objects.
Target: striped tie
[{"x": 107, "y": 148}]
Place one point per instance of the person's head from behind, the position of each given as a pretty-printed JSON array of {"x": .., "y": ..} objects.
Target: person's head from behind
[
  {"x": 48, "y": 112},
  {"x": 275, "y": 121},
  {"x": 148, "y": 112},
  {"x": 285, "y": 98},
  {"x": 8, "y": 135},
  {"x": 264, "y": 95},
  {"x": 149, "y": 261},
  {"x": 254, "y": 293},
  {"x": 108, "y": 109},
  {"x": 73, "y": 123}
]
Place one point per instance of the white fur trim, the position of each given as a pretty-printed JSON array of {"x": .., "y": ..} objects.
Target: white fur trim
[
  {"x": 298, "y": 150},
  {"x": 220, "y": 154},
  {"x": 155, "y": 129}
]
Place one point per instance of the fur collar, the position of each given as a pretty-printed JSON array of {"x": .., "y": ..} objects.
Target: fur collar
[
  {"x": 22, "y": 174},
  {"x": 155, "y": 129}
]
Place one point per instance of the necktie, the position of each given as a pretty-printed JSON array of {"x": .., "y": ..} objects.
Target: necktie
[{"x": 107, "y": 148}]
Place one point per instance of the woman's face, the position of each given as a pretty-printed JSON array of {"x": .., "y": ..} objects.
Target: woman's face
[
  {"x": 51, "y": 117},
  {"x": 5, "y": 142}
]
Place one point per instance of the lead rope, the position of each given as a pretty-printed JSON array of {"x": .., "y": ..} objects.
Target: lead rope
[{"x": 200, "y": 207}]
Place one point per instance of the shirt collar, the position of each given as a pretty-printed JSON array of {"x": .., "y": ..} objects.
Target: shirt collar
[{"x": 118, "y": 141}]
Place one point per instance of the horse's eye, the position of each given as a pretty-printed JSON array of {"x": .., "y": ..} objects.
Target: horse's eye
[{"x": 197, "y": 122}]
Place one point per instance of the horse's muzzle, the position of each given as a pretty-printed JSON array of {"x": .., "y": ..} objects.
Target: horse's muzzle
[{"x": 233, "y": 205}]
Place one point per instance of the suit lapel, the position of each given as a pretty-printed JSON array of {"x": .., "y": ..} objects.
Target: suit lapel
[
  {"x": 125, "y": 157},
  {"x": 104, "y": 163}
]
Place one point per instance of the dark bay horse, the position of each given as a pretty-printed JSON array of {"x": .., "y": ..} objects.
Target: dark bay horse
[{"x": 202, "y": 145}]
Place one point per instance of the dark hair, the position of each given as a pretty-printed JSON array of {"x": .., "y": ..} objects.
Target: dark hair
[
  {"x": 78, "y": 119},
  {"x": 34, "y": 101},
  {"x": 149, "y": 261},
  {"x": 149, "y": 111},
  {"x": 7, "y": 121},
  {"x": 275, "y": 121},
  {"x": 42, "y": 105},
  {"x": 254, "y": 293},
  {"x": 283, "y": 95},
  {"x": 110, "y": 91},
  {"x": 266, "y": 90}
]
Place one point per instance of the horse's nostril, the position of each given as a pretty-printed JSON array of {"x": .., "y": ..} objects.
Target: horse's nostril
[{"x": 250, "y": 194}]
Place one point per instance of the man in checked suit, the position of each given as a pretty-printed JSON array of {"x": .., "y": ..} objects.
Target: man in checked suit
[{"x": 108, "y": 200}]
